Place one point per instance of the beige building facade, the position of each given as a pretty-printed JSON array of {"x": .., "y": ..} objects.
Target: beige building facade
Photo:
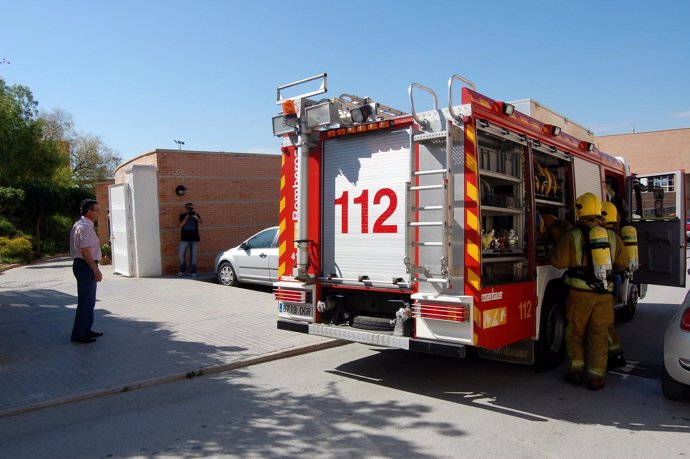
[{"x": 651, "y": 152}]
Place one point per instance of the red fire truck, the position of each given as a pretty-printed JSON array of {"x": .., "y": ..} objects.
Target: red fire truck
[{"x": 429, "y": 230}]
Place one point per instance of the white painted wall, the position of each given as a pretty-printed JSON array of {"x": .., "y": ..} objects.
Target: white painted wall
[{"x": 143, "y": 183}]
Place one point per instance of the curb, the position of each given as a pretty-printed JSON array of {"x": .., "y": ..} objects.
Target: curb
[
  {"x": 214, "y": 369},
  {"x": 37, "y": 260},
  {"x": 5, "y": 268}
]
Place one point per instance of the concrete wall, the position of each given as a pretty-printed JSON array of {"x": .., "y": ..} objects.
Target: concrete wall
[
  {"x": 143, "y": 182},
  {"x": 236, "y": 194}
]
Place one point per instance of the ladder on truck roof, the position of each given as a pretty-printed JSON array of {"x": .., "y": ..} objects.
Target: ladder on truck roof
[{"x": 430, "y": 192}]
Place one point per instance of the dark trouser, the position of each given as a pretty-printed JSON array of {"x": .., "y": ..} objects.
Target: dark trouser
[{"x": 86, "y": 294}]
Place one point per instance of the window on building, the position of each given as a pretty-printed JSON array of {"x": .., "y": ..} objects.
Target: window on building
[{"x": 666, "y": 182}]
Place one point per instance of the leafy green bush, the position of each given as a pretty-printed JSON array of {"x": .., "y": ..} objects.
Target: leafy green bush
[
  {"x": 106, "y": 250},
  {"x": 7, "y": 228},
  {"x": 10, "y": 198},
  {"x": 55, "y": 236},
  {"x": 15, "y": 249}
]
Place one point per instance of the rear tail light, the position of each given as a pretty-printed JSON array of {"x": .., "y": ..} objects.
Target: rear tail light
[
  {"x": 685, "y": 320},
  {"x": 292, "y": 296},
  {"x": 442, "y": 311}
]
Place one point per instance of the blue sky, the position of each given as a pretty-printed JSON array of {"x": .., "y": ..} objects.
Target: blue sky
[{"x": 142, "y": 73}]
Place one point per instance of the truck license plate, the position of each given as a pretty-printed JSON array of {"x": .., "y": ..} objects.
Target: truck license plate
[{"x": 296, "y": 310}]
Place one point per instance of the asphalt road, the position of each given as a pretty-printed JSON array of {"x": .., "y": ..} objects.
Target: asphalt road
[{"x": 362, "y": 401}]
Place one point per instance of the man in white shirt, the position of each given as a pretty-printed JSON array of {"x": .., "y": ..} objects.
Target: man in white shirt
[{"x": 86, "y": 251}]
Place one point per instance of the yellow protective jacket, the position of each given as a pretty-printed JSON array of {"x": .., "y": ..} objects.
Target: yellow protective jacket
[{"x": 569, "y": 253}]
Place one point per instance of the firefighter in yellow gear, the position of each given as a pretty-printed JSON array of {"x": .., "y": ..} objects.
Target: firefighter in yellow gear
[
  {"x": 609, "y": 215},
  {"x": 590, "y": 253}
]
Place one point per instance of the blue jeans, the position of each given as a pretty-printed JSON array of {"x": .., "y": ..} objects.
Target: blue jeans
[
  {"x": 193, "y": 251},
  {"x": 86, "y": 298}
]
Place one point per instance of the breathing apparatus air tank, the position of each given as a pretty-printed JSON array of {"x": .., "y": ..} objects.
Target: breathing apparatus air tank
[
  {"x": 601, "y": 254},
  {"x": 629, "y": 237}
]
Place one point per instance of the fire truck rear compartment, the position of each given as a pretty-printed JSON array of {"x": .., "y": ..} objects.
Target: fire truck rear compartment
[
  {"x": 362, "y": 309},
  {"x": 369, "y": 317}
]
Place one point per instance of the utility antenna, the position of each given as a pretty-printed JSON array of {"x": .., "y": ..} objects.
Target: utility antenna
[{"x": 179, "y": 143}]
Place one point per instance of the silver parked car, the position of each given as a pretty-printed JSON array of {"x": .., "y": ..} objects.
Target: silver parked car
[
  {"x": 254, "y": 261},
  {"x": 675, "y": 381}
]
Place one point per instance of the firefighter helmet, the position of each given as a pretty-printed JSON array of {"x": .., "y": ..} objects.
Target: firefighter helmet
[
  {"x": 588, "y": 205},
  {"x": 609, "y": 212}
]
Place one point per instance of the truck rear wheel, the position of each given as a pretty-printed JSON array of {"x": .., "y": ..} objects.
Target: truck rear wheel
[
  {"x": 550, "y": 349},
  {"x": 631, "y": 304}
]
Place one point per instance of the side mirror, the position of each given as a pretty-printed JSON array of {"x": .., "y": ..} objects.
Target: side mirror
[{"x": 243, "y": 246}]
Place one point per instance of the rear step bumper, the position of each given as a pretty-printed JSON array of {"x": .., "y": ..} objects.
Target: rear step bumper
[{"x": 385, "y": 339}]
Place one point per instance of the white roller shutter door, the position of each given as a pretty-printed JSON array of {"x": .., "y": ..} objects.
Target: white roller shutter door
[
  {"x": 364, "y": 205},
  {"x": 587, "y": 178}
]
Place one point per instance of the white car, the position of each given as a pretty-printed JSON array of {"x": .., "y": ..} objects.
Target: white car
[
  {"x": 675, "y": 380},
  {"x": 255, "y": 261}
]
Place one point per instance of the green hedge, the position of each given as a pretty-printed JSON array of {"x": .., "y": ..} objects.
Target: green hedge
[{"x": 15, "y": 249}]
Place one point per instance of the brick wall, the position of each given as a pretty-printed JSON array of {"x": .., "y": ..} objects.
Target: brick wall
[
  {"x": 102, "y": 198},
  {"x": 650, "y": 152},
  {"x": 236, "y": 194}
]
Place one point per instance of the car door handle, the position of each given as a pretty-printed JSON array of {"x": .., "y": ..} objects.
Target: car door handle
[{"x": 263, "y": 255}]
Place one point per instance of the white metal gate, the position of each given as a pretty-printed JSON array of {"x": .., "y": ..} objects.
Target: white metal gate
[{"x": 120, "y": 215}]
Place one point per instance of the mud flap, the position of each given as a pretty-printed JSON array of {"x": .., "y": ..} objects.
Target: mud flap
[{"x": 521, "y": 352}]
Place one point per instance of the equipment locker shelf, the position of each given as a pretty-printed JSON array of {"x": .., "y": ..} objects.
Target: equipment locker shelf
[
  {"x": 502, "y": 209},
  {"x": 551, "y": 171}
]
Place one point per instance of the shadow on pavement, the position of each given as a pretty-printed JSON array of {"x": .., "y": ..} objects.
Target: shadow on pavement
[{"x": 38, "y": 363}]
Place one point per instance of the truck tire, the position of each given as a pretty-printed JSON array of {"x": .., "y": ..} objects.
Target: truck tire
[
  {"x": 372, "y": 323},
  {"x": 226, "y": 275},
  {"x": 631, "y": 306},
  {"x": 550, "y": 349},
  {"x": 672, "y": 389}
]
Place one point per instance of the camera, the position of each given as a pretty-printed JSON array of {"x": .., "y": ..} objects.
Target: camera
[{"x": 191, "y": 213}]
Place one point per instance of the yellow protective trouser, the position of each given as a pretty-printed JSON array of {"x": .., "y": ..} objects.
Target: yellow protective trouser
[
  {"x": 589, "y": 317},
  {"x": 615, "y": 347}
]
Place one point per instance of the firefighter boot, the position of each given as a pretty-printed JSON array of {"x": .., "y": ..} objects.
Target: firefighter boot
[
  {"x": 615, "y": 350},
  {"x": 596, "y": 383},
  {"x": 615, "y": 361},
  {"x": 574, "y": 376}
]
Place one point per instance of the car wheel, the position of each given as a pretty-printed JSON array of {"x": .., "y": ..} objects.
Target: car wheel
[
  {"x": 550, "y": 349},
  {"x": 226, "y": 274},
  {"x": 672, "y": 389}
]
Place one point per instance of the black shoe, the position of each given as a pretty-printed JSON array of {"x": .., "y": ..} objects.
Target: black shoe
[
  {"x": 83, "y": 340},
  {"x": 94, "y": 334}
]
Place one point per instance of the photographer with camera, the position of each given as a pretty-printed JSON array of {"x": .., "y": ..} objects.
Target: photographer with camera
[{"x": 189, "y": 238}]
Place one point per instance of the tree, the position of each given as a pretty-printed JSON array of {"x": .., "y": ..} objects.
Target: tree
[
  {"x": 90, "y": 160},
  {"x": 25, "y": 155},
  {"x": 10, "y": 199}
]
